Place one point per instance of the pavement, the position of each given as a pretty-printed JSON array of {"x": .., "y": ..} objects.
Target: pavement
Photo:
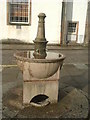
[{"x": 74, "y": 84}]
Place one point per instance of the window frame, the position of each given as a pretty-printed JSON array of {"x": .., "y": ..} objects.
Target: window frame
[
  {"x": 72, "y": 22},
  {"x": 18, "y": 23},
  {"x": 77, "y": 28}
]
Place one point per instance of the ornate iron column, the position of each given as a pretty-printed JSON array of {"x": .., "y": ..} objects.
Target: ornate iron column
[{"x": 40, "y": 41}]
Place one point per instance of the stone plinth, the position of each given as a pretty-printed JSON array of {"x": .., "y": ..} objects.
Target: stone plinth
[
  {"x": 40, "y": 76},
  {"x": 47, "y": 87}
]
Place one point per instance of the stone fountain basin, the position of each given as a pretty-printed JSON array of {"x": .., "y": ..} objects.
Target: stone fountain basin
[{"x": 39, "y": 68}]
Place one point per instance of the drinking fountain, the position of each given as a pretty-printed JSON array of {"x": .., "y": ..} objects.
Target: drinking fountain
[{"x": 41, "y": 70}]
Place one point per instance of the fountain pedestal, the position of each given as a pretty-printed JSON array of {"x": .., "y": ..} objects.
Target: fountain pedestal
[
  {"x": 40, "y": 77},
  {"x": 33, "y": 87}
]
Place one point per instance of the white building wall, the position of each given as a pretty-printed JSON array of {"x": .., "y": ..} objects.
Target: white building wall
[
  {"x": 51, "y": 8},
  {"x": 3, "y": 31},
  {"x": 77, "y": 12}
]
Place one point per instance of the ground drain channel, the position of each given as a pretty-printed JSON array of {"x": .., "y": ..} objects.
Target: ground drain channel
[{"x": 40, "y": 100}]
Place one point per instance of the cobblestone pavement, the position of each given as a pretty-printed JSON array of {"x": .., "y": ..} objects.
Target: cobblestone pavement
[{"x": 73, "y": 74}]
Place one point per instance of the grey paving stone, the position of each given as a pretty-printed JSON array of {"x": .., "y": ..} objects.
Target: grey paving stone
[
  {"x": 12, "y": 77},
  {"x": 78, "y": 105},
  {"x": 8, "y": 113},
  {"x": 81, "y": 66}
]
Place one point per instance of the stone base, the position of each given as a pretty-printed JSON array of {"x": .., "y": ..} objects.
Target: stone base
[
  {"x": 40, "y": 88},
  {"x": 73, "y": 104},
  {"x": 36, "y": 90}
]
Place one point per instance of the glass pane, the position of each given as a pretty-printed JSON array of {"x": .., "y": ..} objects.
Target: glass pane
[
  {"x": 19, "y": 11},
  {"x": 72, "y": 27}
]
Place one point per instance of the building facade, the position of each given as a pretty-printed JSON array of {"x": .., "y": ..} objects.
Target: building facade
[{"x": 65, "y": 21}]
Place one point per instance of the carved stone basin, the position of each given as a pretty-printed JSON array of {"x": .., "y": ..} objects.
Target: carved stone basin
[{"x": 39, "y": 68}]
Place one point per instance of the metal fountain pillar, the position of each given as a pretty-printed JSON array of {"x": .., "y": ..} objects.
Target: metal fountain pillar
[{"x": 40, "y": 41}]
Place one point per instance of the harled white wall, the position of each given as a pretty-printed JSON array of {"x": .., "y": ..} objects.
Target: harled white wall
[
  {"x": 51, "y": 8},
  {"x": 3, "y": 30}
]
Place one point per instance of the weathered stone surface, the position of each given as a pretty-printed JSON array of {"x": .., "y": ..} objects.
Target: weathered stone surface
[
  {"x": 40, "y": 76},
  {"x": 7, "y": 113},
  {"x": 48, "y": 88},
  {"x": 72, "y": 104},
  {"x": 77, "y": 104},
  {"x": 81, "y": 66}
]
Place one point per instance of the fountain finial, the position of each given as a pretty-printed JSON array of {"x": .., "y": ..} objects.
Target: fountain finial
[{"x": 40, "y": 41}]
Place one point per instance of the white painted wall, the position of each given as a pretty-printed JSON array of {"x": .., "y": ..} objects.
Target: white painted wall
[
  {"x": 3, "y": 31},
  {"x": 78, "y": 13},
  {"x": 51, "y": 8}
]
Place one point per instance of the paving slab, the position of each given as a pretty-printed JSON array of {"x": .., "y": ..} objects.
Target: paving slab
[
  {"x": 73, "y": 76},
  {"x": 11, "y": 77}
]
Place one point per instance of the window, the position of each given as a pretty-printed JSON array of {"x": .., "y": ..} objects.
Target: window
[
  {"x": 72, "y": 27},
  {"x": 72, "y": 30},
  {"x": 19, "y": 11}
]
